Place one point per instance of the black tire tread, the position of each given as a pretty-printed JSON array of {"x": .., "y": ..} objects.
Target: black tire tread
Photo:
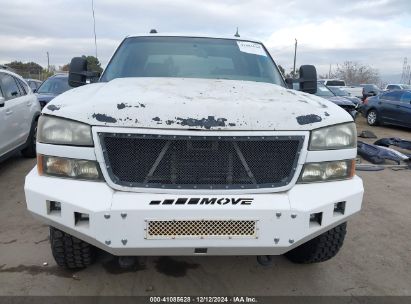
[
  {"x": 321, "y": 248},
  {"x": 30, "y": 150},
  {"x": 69, "y": 251}
]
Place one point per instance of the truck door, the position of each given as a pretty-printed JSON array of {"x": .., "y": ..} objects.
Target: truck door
[{"x": 389, "y": 106}]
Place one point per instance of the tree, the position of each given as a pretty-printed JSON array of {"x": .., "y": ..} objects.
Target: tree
[
  {"x": 355, "y": 73},
  {"x": 93, "y": 64},
  {"x": 65, "y": 68},
  {"x": 281, "y": 69},
  {"x": 290, "y": 74},
  {"x": 28, "y": 69}
]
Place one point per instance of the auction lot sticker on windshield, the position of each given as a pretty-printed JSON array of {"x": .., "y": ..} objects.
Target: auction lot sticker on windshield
[{"x": 251, "y": 48}]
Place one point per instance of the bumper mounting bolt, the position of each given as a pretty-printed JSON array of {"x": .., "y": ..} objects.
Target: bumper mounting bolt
[
  {"x": 124, "y": 241},
  {"x": 106, "y": 216},
  {"x": 123, "y": 215},
  {"x": 278, "y": 214},
  {"x": 293, "y": 215},
  {"x": 291, "y": 241},
  {"x": 276, "y": 240},
  {"x": 108, "y": 242}
]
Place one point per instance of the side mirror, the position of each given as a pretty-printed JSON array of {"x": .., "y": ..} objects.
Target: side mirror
[
  {"x": 308, "y": 79},
  {"x": 35, "y": 90},
  {"x": 77, "y": 72},
  {"x": 2, "y": 102},
  {"x": 289, "y": 82}
]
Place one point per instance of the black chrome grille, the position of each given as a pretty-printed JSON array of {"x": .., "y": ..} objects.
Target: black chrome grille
[{"x": 196, "y": 162}]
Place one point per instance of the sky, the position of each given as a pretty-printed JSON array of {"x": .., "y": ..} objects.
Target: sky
[{"x": 376, "y": 33}]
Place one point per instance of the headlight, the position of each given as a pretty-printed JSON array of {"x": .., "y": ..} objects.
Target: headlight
[
  {"x": 68, "y": 167},
  {"x": 336, "y": 137},
  {"x": 53, "y": 130},
  {"x": 327, "y": 171}
]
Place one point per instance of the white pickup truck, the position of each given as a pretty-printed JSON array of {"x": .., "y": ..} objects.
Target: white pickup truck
[
  {"x": 193, "y": 146},
  {"x": 354, "y": 91}
]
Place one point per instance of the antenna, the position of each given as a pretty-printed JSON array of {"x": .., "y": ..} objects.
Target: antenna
[
  {"x": 94, "y": 24},
  {"x": 236, "y": 33}
]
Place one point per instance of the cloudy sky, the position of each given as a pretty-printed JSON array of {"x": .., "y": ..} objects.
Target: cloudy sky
[{"x": 374, "y": 32}]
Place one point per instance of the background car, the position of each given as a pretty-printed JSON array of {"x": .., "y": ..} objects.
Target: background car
[
  {"x": 34, "y": 84},
  {"x": 353, "y": 90},
  {"x": 19, "y": 111},
  {"x": 391, "y": 107},
  {"x": 345, "y": 103},
  {"x": 324, "y": 92},
  {"x": 341, "y": 92},
  {"x": 400, "y": 86},
  {"x": 53, "y": 86},
  {"x": 369, "y": 90}
]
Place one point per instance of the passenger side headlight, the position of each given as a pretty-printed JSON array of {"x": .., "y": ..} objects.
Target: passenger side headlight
[
  {"x": 335, "y": 137},
  {"x": 327, "y": 171},
  {"x": 60, "y": 131},
  {"x": 68, "y": 167}
]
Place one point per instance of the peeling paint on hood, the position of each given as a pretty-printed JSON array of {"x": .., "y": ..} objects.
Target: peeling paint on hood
[{"x": 190, "y": 103}]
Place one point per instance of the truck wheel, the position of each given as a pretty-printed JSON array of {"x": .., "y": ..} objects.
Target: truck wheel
[
  {"x": 320, "y": 249},
  {"x": 30, "y": 150},
  {"x": 372, "y": 117},
  {"x": 69, "y": 251}
]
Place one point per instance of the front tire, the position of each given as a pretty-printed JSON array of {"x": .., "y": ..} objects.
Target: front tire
[
  {"x": 30, "y": 150},
  {"x": 69, "y": 251},
  {"x": 372, "y": 117},
  {"x": 320, "y": 249}
]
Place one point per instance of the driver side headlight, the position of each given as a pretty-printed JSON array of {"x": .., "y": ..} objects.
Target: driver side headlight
[
  {"x": 60, "y": 131},
  {"x": 341, "y": 136}
]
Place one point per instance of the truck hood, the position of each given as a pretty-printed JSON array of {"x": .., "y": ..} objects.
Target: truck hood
[{"x": 189, "y": 103}]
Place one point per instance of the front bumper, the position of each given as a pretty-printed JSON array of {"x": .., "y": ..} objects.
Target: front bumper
[{"x": 118, "y": 220}]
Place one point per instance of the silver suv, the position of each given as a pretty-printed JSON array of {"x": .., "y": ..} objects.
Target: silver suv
[{"x": 19, "y": 111}]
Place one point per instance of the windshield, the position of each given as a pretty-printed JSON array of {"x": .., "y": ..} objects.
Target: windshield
[
  {"x": 188, "y": 57},
  {"x": 338, "y": 91},
  {"x": 406, "y": 86},
  {"x": 323, "y": 91},
  {"x": 54, "y": 85}
]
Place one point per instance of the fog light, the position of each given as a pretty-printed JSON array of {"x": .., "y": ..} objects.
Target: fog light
[
  {"x": 327, "y": 171},
  {"x": 68, "y": 167}
]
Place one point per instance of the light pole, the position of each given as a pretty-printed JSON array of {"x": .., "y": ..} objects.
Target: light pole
[
  {"x": 48, "y": 62},
  {"x": 295, "y": 57}
]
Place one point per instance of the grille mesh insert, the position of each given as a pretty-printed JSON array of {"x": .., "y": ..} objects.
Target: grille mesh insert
[
  {"x": 173, "y": 162},
  {"x": 201, "y": 229}
]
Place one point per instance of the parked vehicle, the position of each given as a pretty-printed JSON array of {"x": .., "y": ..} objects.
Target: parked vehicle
[
  {"x": 390, "y": 87},
  {"x": 353, "y": 90},
  {"x": 19, "y": 111},
  {"x": 325, "y": 92},
  {"x": 5, "y": 67},
  {"x": 34, "y": 84},
  {"x": 369, "y": 90},
  {"x": 193, "y": 146},
  {"x": 391, "y": 107},
  {"x": 343, "y": 93},
  {"x": 52, "y": 87}
]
